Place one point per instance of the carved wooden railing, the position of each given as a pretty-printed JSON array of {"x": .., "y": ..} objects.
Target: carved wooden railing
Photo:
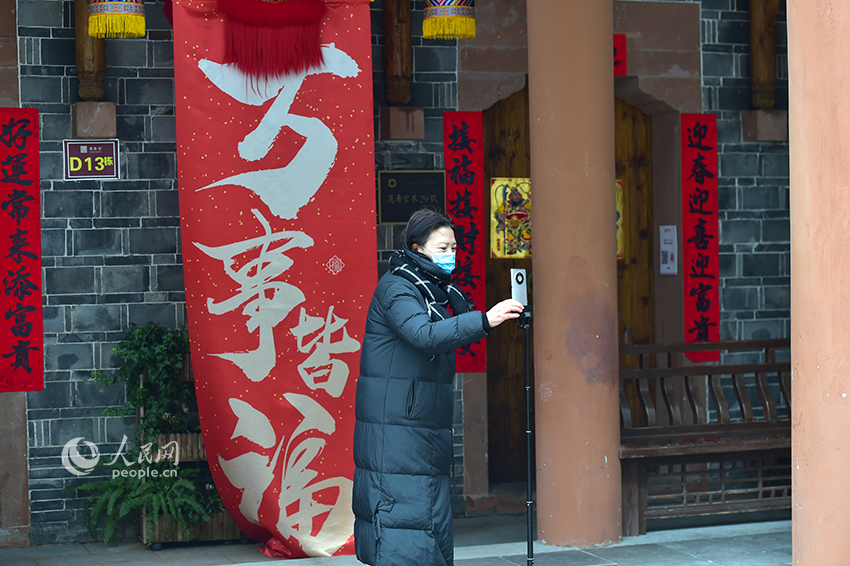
[
  {"x": 660, "y": 369},
  {"x": 701, "y": 438}
]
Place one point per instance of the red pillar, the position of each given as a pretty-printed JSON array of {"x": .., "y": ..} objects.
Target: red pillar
[
  {"x": 571, "y": 103},
  {"x": 819, "y": 119}
]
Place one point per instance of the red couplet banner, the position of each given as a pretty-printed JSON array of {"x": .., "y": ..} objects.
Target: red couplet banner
[
  {"x": 277, "y": 203},
  {"x": 464, "y": 156},
  {"x": 21, "y": 326},
  {"x": 620, "y": 55},
  {"x": 700, "y": 232}
]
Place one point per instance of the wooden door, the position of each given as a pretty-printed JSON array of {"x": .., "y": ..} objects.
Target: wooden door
[
  {"x": 635, "y": 270},
  {"x": 507, "y": 154}
]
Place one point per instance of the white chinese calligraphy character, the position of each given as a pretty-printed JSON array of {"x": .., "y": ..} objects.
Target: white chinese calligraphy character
[
  {"x": 314, "y": 370},
  {"x": 286, "y": 189},
  {"x": 297, "y": 490},
  {"x": 266, "y": 301},
  {"x": 253, "y": 472}
]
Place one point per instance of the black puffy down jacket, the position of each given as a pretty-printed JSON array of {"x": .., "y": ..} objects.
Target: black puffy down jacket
[{"x": 403, "y": 431}]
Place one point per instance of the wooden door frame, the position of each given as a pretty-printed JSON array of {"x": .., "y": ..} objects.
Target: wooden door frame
[
  {"x": 666, "y": 205},
  {"x": 14, "y": 471},
  {"x": 14, "y": 467}
]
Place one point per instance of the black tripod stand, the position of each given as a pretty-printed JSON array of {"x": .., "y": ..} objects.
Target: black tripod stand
[{"x": 525, "y": 323}]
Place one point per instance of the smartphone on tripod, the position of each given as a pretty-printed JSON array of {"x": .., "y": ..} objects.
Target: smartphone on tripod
[
  {"x": 519, "y": 292},
  {"x": 519, "y": 288}
]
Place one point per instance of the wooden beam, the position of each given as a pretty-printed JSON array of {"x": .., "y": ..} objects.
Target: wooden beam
[
  {"x": 91, "y": 59},
  {"x": 398, "y": 54},
  {"x": 763, "y": 51}
]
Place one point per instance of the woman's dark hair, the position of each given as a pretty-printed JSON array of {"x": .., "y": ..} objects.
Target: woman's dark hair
[{"x": 421, "y": 225}]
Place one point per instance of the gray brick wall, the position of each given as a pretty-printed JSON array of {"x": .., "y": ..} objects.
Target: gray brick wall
[
  {"x": 111, "y": 252},
  {"x": 754, "y": 180},
  {"x": 755, "y": 248},
  {"x": 434, "y": 89}
]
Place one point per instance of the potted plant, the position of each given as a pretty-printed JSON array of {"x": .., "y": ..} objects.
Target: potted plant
[
  {"x": 175, "y": 503},
  {"x": 155, "y": 492},
  {"x": 213, "y": 524}
]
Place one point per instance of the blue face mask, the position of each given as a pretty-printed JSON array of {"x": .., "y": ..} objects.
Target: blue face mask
[{"x": 445, "y": 261}]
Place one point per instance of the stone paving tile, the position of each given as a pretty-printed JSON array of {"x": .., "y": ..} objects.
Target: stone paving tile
[
  {"x": 197, "y": 561},
  {"x": 496, "y": 529},
  {"x": 99, "y": 554},
  {"x": 707, "y": 549},
  {"x": 566, "y": 558},
  {"x": 74, "y": 560},
  {"x": 736, "y": 550},
  {"x": 494, "y": 561},
  {"x": 777, "y": 541},
  {"x": 763, "y": 546},
  {"x": 133, "y": 559},
  {"x": 66, "y": 550},
  {"x": 647, "y": 555},
  {"x": 773, "y": 541},
  {"x": 764, "y": 559}
]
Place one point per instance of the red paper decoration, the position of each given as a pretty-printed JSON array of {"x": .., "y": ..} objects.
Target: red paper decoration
[
  {"x": 463, "y": 134},
  {"x": 268, "y": 38},
  {"x": 700, "y": 232}
]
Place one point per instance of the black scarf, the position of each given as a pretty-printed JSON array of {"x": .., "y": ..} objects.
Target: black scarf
[{"x": 434, "y": 284}]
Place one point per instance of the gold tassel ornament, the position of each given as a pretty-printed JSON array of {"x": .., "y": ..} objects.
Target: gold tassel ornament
[
  {"x": 116, "y": 18},
  {"x": 449, "y": 19}
]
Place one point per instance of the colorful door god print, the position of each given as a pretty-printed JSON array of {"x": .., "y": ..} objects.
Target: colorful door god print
[{"x": 510, "y": 224}]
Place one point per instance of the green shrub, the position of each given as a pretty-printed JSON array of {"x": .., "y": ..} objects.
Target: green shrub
[
  {"x": 152, "y": 357},
  {"x": 117, "y": 496}
]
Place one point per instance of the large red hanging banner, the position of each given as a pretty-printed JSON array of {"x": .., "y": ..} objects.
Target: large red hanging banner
[
  {"x": 700, "y": 252},
  {"x": 278, "y": 225},
  {"x": 21, "y": 327},
  {"x": 463, "y": 134}
]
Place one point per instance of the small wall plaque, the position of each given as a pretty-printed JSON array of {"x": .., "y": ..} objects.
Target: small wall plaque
[
  {"x": 401, "y": 193},
  {"x": 91, "y": 159},
  {"x": 669, "y": 250}
]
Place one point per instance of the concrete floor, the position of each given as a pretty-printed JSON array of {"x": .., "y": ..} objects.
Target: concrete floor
[{"x": 485, "y": 541}]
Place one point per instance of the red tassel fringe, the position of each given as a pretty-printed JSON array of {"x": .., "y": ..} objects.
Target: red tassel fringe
[
  {"x": 274, "y": 12},
  {"x": 168, "y": 10},
  {"x": 273, "y": 38},
  {"x": 266, "y": 52}
]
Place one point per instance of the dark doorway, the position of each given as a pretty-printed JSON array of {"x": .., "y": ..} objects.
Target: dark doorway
[{"x": 506, "y": 154}]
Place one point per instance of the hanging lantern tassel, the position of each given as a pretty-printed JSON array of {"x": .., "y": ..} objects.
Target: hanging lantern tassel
[
  {"x": 114, "y": 18},
  {"x": 449, "y": 19},
  {"x": 168, "y": 10},
  {"x": 270, "y": 38}
]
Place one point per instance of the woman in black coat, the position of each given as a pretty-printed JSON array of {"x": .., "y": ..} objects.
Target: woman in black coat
[{"x": 405, "y": 403}]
